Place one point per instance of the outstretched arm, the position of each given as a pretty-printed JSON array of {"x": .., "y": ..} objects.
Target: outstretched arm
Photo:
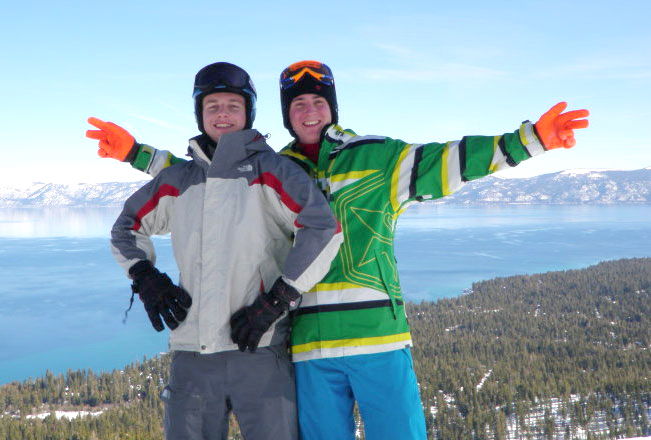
[
  {"x": 117, "y": 143},
  {"x": 436, "y": 170}
]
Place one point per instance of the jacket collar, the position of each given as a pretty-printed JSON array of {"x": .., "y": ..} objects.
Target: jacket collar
[
  {"x": 231, "y": 149},
  {"x": 332, "y": 137}
]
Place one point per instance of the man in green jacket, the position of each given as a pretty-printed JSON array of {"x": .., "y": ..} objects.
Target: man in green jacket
[{"x": 350, "y": 339}]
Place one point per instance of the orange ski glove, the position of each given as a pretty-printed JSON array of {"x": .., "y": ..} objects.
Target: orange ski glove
[
  {"x": 114, "y": 141},
  {"x": 556, "y": 129}
]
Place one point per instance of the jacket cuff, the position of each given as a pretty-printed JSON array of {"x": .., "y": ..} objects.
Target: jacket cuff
[
  {"x": 530, "y": 139},
  {"x": 131, "y": 156},
  {"x": 140, "y": 268},
  {"x": 143, "y": 157},
  {"x": 286, "y": 294}
]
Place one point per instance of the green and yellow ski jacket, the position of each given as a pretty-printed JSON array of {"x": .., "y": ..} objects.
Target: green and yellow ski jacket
[{"x": 369, "y": 181}]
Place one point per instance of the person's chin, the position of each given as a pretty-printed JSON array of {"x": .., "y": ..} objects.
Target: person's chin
[
  {"x": 312, "y": 135},
  {"x": 216, "y": 134}
]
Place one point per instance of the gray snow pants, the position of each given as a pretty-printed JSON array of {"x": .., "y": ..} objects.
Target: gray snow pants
[{"x": 204, "y": 388}]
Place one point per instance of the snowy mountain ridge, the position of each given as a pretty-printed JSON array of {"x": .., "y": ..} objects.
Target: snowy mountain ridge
[
  {"x": 39, "y": 194},
  {"x": 577, "y": 186}
]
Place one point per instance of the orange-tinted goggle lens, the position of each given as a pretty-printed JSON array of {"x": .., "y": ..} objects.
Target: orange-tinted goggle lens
[{"x": 293, "y": 74}]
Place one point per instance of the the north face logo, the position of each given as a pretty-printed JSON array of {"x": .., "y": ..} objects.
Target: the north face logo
[{"x": 245, "y": 168}]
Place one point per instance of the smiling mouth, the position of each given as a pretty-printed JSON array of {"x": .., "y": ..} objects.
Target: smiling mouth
[
  {"x": 223, "y": 125},
  {"x": 311, "y": 123}
]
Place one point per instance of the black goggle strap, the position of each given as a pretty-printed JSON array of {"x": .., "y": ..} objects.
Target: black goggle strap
[{"x": 216, "y": 87}]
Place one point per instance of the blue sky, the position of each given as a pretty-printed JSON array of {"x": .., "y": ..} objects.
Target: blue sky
[{"x": 416, "y": 70}]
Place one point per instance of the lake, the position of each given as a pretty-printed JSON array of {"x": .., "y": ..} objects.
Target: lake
[{"x": 64, "y": 296}]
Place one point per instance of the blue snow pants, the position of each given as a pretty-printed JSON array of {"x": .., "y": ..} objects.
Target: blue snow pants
[{"x": 384, "y": 386}]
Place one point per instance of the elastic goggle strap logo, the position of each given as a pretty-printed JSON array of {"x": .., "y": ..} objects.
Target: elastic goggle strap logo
[{"x": 294, "y": 73}]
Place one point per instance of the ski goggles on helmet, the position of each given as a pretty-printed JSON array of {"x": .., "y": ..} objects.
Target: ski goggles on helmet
[
  {"x": 317, "y": 70},
  {"x": 222, "y": 76}
]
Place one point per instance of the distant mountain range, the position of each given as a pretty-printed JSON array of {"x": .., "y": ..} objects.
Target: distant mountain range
[
  {"x": 565, "y": 187},
  {"x": 40, "y": 194},
  {"x": 606, "y": 187}
]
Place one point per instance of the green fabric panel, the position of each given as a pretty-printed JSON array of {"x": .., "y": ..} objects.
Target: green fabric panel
[
  {"x": 141, "y": 162},
  {"x": 329, "y": 326},
  {"x": 174, "y": 160},
  {"x": 515, "y": 147},
  {"x": 428, "y": 181},
  {"x": 366, "y": 215},
  {"x": 479, "y": 155}
]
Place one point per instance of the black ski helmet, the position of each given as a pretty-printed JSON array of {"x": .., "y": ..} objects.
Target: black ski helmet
[
  {"x": 223, "y": 77},
  {"x": 307, "y": 77}
]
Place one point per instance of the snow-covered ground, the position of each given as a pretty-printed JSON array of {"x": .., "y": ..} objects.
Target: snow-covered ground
[{"x": 70, "y": 415}]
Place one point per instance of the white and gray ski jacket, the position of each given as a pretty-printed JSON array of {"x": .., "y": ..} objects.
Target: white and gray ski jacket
[{"x": 237, "y": 223}]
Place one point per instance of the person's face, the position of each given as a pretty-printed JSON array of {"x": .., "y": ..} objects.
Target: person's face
[
  {"x": 223, "y": 112},
  {"x": 308, "y": 114}
]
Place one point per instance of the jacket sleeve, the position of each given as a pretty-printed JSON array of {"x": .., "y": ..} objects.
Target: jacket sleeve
[
  {"x": 303, "y": 208},
  {"x": 147, "y": 212},
  {"x": 152, "y": 161},
  {"x": 434, "y": 170}
]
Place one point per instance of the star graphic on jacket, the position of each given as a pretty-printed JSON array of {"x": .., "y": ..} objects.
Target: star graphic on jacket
[{"x": 368, "y": 218}]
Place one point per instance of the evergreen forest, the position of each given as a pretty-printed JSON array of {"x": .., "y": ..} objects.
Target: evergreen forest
[{"x": 490, "y": 364}]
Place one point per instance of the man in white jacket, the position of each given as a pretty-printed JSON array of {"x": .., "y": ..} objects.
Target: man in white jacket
[{"x": 250, "y": 233}]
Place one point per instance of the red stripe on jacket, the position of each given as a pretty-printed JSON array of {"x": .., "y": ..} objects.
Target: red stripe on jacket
[
  {"x": 164, "y": 190},
  {"x": 274, "y": 183}
]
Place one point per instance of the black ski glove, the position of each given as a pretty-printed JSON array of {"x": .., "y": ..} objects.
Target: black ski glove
[
  {"x": 160, "y": 295},
  {"x": 249, "y": 323}
]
